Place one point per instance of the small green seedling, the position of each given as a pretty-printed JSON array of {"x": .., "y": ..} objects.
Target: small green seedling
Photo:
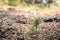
[
  {"x": 35, "y": 21},
  {"x": 31, "y": 29}
]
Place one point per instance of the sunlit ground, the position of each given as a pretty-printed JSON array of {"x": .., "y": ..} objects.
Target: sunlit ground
[
  {"x": 44, "y": 31},
  {"x": 35, "y": 9}
]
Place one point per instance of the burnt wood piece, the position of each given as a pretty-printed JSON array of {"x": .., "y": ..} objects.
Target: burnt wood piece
[
  {"x": 50, "y": 19},
  {"x": 18, "y": 38}
]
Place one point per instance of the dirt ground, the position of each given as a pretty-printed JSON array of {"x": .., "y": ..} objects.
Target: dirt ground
[
  {"x": 14, "y": 24},
  {"x": 28, "y": 11}
]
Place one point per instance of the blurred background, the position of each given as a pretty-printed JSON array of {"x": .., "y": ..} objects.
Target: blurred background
[{"x": 39, "y": 3}]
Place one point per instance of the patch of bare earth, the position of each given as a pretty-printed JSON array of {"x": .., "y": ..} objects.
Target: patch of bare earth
[{"x": 15, "y": 26}]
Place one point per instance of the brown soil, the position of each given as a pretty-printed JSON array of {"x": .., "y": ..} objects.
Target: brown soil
[{"x": 15, "y": 27}]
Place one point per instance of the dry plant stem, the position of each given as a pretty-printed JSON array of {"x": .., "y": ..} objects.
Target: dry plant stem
[
  {"x": 55, "y": 24},
  {"x": 36, "y": 32}
]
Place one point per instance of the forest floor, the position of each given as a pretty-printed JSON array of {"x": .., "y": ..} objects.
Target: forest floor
[
  {"x": 34, "y": 10},
  {"x": 16, "y": 21}
]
